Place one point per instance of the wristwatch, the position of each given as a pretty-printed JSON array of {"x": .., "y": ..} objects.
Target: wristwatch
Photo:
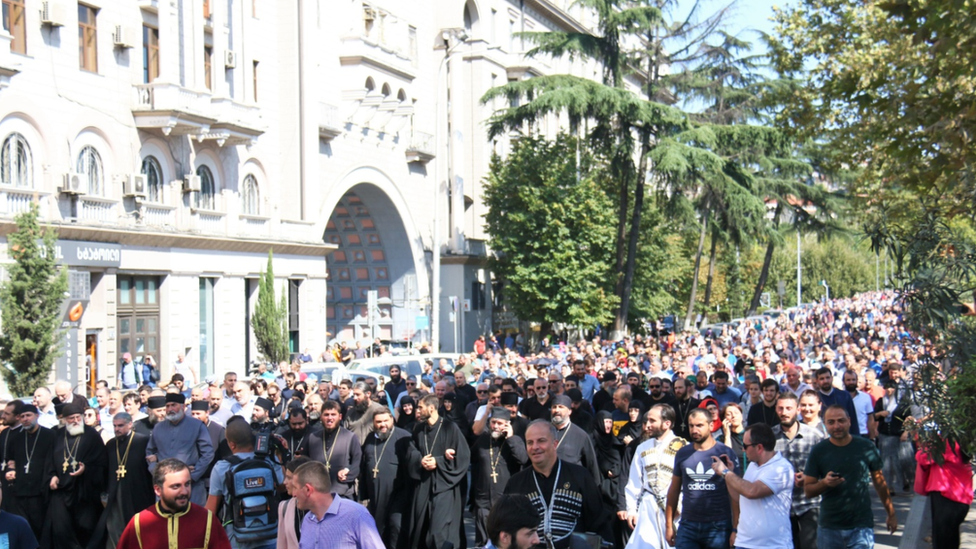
[{"x": 726, "y": 473}]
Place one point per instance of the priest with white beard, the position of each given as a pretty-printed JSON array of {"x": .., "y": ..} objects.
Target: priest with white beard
[
  {"x": 650, "y": 477},
  {"x": 184, "y": 438}
]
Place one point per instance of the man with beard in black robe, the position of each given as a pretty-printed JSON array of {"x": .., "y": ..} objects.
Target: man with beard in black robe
[
  {"x": 437, "y": 461},
  {"x": 338, "y": 448},
  {"x": 383, "y": 476},
  {"x": 156, "y": 412},
  {"x": 496, "y": 455},
  {"x": 11, "y": 428},
  {"x": 572, "y": 443},
  {"x": 75, "y": 471},
  {"x": 295, "y": 430},
  {"x": 130, "y": 486},
  {"x": 25, "y": 470}
]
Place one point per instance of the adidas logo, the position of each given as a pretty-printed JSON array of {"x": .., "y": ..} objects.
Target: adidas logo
[{"x": 699, "y": 475}]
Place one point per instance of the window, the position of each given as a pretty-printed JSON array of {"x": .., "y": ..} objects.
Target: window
[
  {"x": 154, "y": 179},
  {"x": 13, "y": 23},
  {"x": 293, "y": 315},
  {"x": 207, "y": 323},
  {"x": 137, "y": 316},
  {"x": 208, "y": 67},
  {"x": 16, "y": 168},
  {"x": 254, "y": 78},
  {"x": 90, "y": 167},
  {"x": 87, "y": 39},
  {"x": 250, "y": 196},
  {"x": 206, "y": 197},
  {"x": 150, "y": 54}
]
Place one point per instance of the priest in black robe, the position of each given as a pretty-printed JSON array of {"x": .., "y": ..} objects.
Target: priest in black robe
[
  {"x": 437, "y": 461},
  {"x": 75, "y": 472},
  {"x": 156, "y": 412},
  {"x": 579, "y": 507},
  {"x": 31, "y": 447},
  {"x": 130, "y": 485},
  {"x": 11, "y": 428},
  {"x": 510, "y": 402},
  {"x": 496, "y": 455},
  {"x": 338, "y": 448},
  {"x": 383, "y": 479},
  {"x": 572, "y": 443}
]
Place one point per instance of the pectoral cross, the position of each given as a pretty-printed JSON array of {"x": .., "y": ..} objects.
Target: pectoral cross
[
  {"x": 376, "y": 471},
  {"x": 64, "y": 466},
  {"x": 27, "y": 468},
  {"x": 494, "y": 477},
  {"x": 328, "y": 468},
  {"x": 120, "y": 472},
  {"x": 74, "y": 465}
]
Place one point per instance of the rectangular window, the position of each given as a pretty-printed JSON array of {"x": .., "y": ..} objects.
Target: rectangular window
[
  {"x": 150, "y": 54},
  {"x": 87, "y": 38},
  {"x": 254, "y": 78},
  {"x": 206, "y": 326},
  {"x": 13, "y": 23},
  {"x": 293, "y": 317},
  {"x": 208, "y": 67}
]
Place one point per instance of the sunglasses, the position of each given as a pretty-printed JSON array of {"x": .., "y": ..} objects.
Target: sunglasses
[
  {"x": 481, "y": 392},
  {"x": 747, "y": 446}
]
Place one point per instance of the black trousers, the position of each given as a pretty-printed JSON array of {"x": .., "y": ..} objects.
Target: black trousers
[
  {"x": 33, "y": 509},
  {"x": 805, "y": 529},
  {"x": 947, "y": 517}
]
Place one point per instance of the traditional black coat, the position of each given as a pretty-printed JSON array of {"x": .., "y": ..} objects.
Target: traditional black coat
[
  {"x": 508, "y": 456},
  {"x": 574, "y": 446},
  {"x": 131, "y": 492},
  {"x": 74, "y": 508},
  {"x": 384, "y": 485},
  {"x": 339, "y": 449}
]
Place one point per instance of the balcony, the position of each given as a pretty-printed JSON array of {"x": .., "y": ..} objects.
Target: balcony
[
  {"x": 208, "y": 222},
  {"x": 378, "y": 54},
  {"x": 330, "y": 126},
  {"x": 254, "y": 226},
  {"x": 420, "y": 148},
  {"x": 172, "y": 109},
  {"x": 97, "y": 209},
  {"x": 17, "y": 200},
  {"x": 157, "y": 215},
  {"x": 237, "y": 123}
]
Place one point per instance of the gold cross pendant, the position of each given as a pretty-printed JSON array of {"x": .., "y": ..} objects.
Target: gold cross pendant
[
  {"x": 376, "y": 471},
  {"x": 494, "y": 477},
  {"x": 328, "y": 468},
  {"x": 64, "y": 466},
  {"x": 120, "y": 472}
]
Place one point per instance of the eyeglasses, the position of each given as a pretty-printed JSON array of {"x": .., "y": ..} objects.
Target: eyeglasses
[
  {"x": 481, "y": 392},
  {"x": 654, "y": 386},
  {"x": 411, "y": 383},
  {"x": 747, "y": 446}
]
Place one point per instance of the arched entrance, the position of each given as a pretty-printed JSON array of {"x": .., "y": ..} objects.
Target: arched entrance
[{"x": 375, "y": 253}]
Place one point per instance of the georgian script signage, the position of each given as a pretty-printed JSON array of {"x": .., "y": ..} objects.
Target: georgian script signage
[{"x": 78, "y": 253}]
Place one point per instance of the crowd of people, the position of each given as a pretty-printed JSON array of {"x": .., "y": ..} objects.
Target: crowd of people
[{"x": 770, "y": 433}]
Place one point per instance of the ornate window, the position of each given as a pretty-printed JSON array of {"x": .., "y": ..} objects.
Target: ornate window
[
  {"x": 154, "y": 179},
  {"x": 206, "y": 198},
  {"x": 250, "y": 196},
  {"x": 16, "y": 168},
  {"x": 90, "y": 167}
]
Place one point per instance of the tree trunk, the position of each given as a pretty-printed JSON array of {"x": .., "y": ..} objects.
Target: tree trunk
[
  {"x": 620, "y": 263},
  {"x": 689, "y": 318},
  {"x": 711, "y": 273},
  {"x": 620, "y": 323},
  {"x": 763, "y": 275}
]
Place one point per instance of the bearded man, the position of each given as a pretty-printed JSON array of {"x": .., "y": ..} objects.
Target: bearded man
[
  {"x": 183, "y": 438},
  {"x": 384, "y": 477},
  {"x": 25, "y": 469},
  {"x": 496, "y": 455},
  {"x": 359, "y": 416},
  {"x": 155, "y": 412},
  {"x": 338, "y": 448},
  {"x": 573, "y": 445},
  {"x": 75, "y": 471}
]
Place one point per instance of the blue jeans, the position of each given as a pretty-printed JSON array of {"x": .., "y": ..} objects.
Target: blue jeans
[
  {"x": 855, "y": 538},
  {"x": 703, "y": 535}
]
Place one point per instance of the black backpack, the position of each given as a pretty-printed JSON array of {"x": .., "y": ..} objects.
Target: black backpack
[{"x": 250, "y": 505}]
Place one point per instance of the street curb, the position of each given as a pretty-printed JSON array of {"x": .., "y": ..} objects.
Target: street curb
[{"x": 917, "y": 524}]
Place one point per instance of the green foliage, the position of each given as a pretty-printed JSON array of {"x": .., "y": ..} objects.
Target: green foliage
[
  {"x": 270, "y": 319},
  {"x": 847, "y": 267},
  {"x": 551, "y": 227},
  {"x": 32, "y": 299},
  {"x": 663, "y": 270}
]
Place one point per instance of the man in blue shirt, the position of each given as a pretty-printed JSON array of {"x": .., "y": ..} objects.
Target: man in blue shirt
[
  {"x": 588, "y": 385},
  {"x": 723, "y": 393},
  {"x": 333, "y": 522}
]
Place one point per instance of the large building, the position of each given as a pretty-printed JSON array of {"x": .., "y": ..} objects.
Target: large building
[{"x": 172, "y": 144}]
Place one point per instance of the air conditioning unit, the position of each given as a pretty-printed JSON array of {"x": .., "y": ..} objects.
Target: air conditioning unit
[
  {"x": 54, "y": 13},
  {"x": 230, "y": 59},
  {"x": 73, "y": 183},
  {"x": 124, "y": 37},
  {"x": 191, "y": 183},
  {"x": 134, "y": 185}
]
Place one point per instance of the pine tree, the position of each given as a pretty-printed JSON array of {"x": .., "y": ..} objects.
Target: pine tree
[
  {"x": 270, "y": 320},
  {"x": 31, "y": 300}
]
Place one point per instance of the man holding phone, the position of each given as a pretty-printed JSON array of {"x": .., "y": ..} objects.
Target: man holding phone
[{"x": 839, "y": 469}]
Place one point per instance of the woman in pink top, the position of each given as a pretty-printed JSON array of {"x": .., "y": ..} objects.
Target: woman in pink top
[{"x": 949, "y": 486}]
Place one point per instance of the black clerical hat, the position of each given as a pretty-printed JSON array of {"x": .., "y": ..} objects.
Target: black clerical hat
[
  {"x": 264, "y": 403},
  {"x": 509, "y": 398},
  {"x": 199, "y": 406},
  {"x": 498, "y": 412},
  {"x": 29, "y": 408},
  {"x": 156, "y": 402},
  {"x": 72, "y": 409},
  {"x": 175, "y": 397},
  {"x": 562, "y": 400}
]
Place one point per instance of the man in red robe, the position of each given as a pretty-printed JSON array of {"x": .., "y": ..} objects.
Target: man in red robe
[{"x": 194, "y": 525}]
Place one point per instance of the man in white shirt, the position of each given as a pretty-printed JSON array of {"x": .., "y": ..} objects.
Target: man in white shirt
[{"x": 765, "y": 493}]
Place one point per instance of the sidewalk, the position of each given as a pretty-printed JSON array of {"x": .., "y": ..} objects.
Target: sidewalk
[{"x": 884, "y": 540}]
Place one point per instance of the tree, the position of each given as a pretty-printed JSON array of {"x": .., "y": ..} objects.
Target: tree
[
  {"x": 551, "y": 228},
  {"x": 270, "y": 320},
  {"x": 32, "y": 299},
  {"x": 631, "y": 132}
]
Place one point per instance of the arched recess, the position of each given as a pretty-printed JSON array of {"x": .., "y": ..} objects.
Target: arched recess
[
  {"x": 379, "y": 248},
  {"x": 471, "y": 19},
  {"x": 25, "y": 127}
]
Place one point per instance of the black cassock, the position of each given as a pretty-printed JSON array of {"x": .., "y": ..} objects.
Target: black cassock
[
  {"x": 75, "y": 506},
  {"x": 143, "y": 426},
  {"x": 339, "y": 449},
  {"x": 504, "y": 458},
  {"x": 437, "y": 500},
  {"x": 31, "y": 486},
  {"x": 574, "y": 446},
  {"x": 8, "y": 435},
  {"x": 386, "y": 487},
  {"x": 128, "y": 494},
  {"x": 577, "y": 506}
]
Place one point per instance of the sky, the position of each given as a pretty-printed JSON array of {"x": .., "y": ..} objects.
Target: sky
[{"x": 752, "y": 14}]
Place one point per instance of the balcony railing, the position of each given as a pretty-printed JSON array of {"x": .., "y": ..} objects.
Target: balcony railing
[
  {"x": 96, "y": 209},
  {"x": 209, "y": 222},
  {"x": 17, "y": 200},
  {"x": 255, "y": 226},
  {"x": 158, "y": 215}
]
